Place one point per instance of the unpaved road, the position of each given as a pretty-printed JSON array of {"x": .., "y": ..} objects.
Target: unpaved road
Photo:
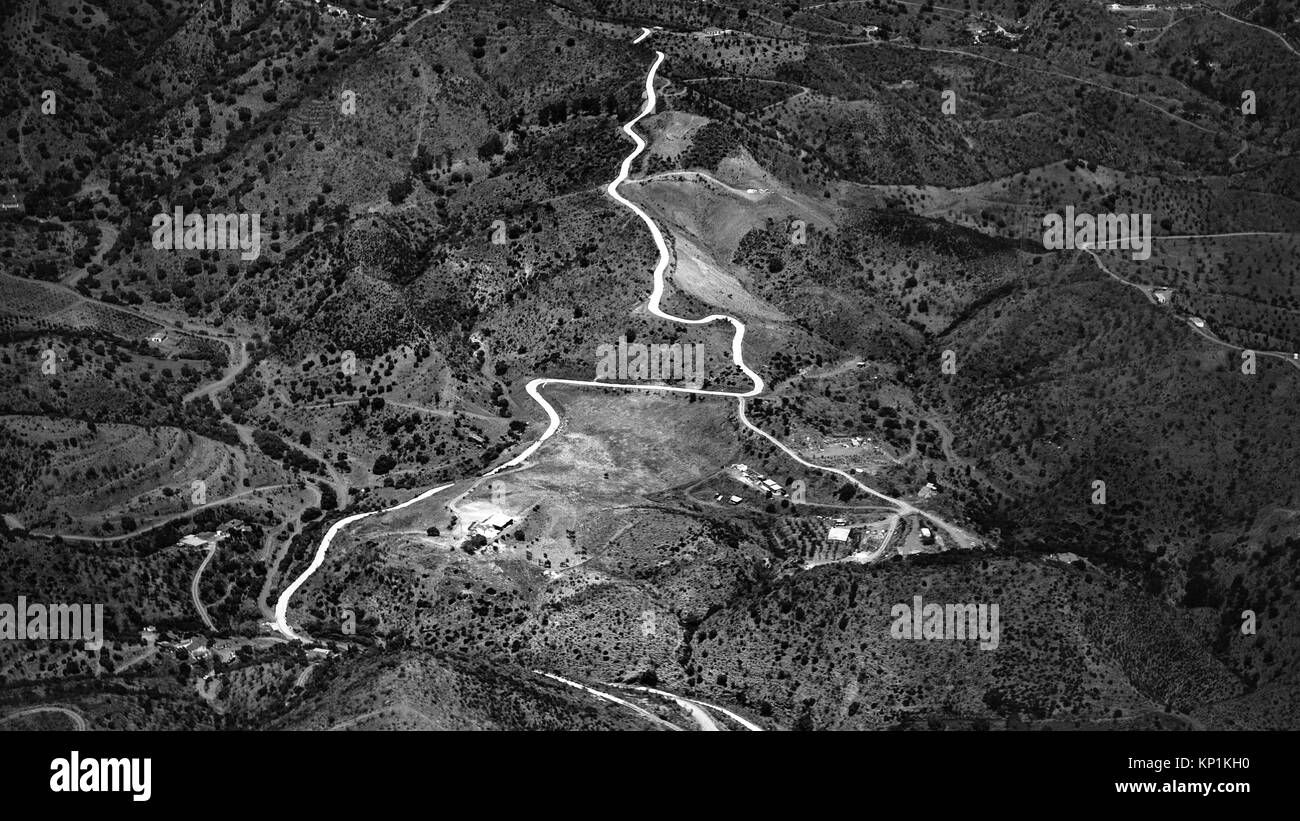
[
  {"x": 194, "y": 587},
  {"x": 78, "y": 721}
]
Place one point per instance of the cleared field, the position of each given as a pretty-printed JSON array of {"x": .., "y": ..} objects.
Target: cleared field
[{"x": 614, "y": 449}]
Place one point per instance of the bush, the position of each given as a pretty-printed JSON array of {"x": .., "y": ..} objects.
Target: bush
[
  {"x": 473, "y": 543},
  {"x": 399, "y": 191}
]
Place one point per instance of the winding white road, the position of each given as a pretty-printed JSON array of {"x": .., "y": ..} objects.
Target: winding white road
[{"x": 534, "y": 387}]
